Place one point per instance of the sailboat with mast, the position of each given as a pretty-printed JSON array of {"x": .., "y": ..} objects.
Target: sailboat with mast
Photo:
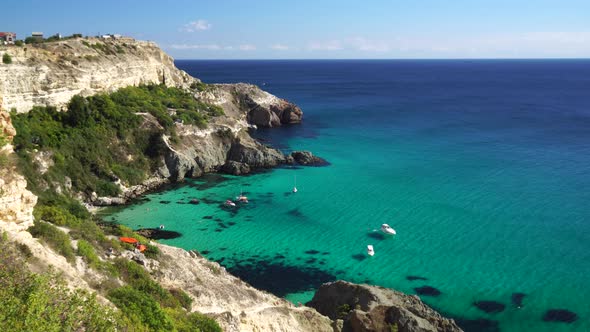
[
  {"x": 295, "y": 185},
  {"x": 242, "y": 198}
]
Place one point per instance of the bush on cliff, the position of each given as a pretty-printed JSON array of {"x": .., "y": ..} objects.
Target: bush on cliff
[
  {"x": 54, "y": 237},
  {"x": 42, "y": 302},
  {"x": 140, "y": 308},
  {"x": 100, "y": 138},
  {"x": 6, "y": 59}
]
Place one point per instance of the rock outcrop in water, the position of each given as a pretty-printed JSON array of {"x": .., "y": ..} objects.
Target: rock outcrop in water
[
  {"x": 259, "y": 107},
  {"x": 372, "y": 308}
]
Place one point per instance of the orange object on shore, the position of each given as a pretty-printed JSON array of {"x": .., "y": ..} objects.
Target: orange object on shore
[
  {"x": 128, "y": 240},
  {"x": 141, "y": 247}
]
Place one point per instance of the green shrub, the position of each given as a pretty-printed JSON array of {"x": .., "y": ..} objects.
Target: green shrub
[
  {"x": 139, "y": 307},
  {"x": 342, "y": 311},
  {"x": 54, "y": 237},
  {"x": 137, "y": 277},
  {"x": 3, "y": 140},
  {"x": 182, "y": 297},
  {"x": 55, "y": 215},
  {"x": 87, "y": 252},
  {"x": 32, "y": 302},
  {"x": 152, "y": 252},
  {"x": 88, "y": 230},
  {"x": 200, "y": 86},
  {"x": 19, "y": 43},
  {"x": 6, "y": 59},
  {"x": 189, "y": 322}
]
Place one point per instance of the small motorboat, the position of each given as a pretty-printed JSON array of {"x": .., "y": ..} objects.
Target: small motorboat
[
  {"x": 385, "y": 228},
  {"x": 242, "y": 199},
  {"x": 229, "y": 202},
  {"x": 370, "y": 250}
]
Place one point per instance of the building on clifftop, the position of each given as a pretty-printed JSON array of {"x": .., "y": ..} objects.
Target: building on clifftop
[{"x": 7, "y": 38}]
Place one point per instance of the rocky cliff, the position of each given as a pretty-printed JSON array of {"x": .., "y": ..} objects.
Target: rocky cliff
[
  {"x": 16, "y": 202},
  {"x": 52, "y": 73},
  {"x": 372, "y": 308},
  {"x": 237, "y": 306}
]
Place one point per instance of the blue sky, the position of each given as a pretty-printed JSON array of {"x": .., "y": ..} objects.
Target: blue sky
[{"x": 265, "y": 29}]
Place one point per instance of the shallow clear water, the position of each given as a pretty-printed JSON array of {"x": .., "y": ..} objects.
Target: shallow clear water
[{"x": 482, "y": 167}]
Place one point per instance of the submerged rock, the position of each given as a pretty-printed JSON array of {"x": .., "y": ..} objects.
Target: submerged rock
[
  {"x": 412, "y": 278},
  {"x": 517, "y": 299},
  {"x": 490, "y": 307},
  {"x": 427, "y": 291},
  {"x": 560, "y": 315},
  {"x": 158, "y": 234},
  {"x": 372, "y": 308}
]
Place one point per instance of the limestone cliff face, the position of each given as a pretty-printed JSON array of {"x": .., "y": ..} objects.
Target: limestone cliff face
[
  {"x": 16, "y": 202},
  {"x": 237, "y": 306},
  {"x": 257, "y": 106},
  {"x": 52, "y": 73}
]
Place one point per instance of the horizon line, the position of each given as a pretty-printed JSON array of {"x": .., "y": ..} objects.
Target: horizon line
[{"x": 370, "y": 59}]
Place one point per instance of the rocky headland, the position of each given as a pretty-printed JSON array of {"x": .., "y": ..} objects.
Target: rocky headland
[
  {"x": 359, "y": 308},
  {"x": 51, "y": 73}
]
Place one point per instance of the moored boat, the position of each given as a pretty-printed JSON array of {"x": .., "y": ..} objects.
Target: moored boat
[{"x": 385, "y": 228}]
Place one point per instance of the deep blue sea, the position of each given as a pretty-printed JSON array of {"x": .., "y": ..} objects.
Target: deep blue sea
[{"x": 481, "y": 166}]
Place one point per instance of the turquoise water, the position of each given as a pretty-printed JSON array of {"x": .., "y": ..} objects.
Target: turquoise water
[{"x": 481, "y": 167}]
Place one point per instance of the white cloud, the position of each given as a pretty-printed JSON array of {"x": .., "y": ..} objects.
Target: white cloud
[
  {"x": 366, "y": 45},
  {"x": 331, "y": 45},
  {"x": 247, "y": 47},
  {"x": 196, "y": 47},
  {"x": 198, "y": 25},
  {"x": 279, "y": 47},
  {"x": 212, "y": 47}
]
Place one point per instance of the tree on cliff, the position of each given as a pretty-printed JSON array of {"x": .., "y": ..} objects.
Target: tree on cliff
[{"x": 6, "y": 58}]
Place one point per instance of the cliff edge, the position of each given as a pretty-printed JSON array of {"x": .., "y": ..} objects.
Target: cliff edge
[{"x": 50, "y": 74}]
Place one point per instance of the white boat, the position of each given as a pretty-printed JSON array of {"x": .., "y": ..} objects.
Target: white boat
[
  {"x": 230, "y": 203},
  {"x": 370, "y": 250},
  {"x": 295, "y": 185},
  {"x": 242, "y": 198},
  {"x": 385, "y": 228}
]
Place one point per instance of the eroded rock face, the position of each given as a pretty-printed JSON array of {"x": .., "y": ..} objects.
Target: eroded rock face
[
  {"x": 259, "y": 107},
  {"x": 372, "y": 308},
  {"x": 307, "y": 158},
  {"x": 16, "y": 202},
  {"x": 6, "y": 128},
  {"x": 234, "y": 304},
  {"x": 52, "y": 73}
]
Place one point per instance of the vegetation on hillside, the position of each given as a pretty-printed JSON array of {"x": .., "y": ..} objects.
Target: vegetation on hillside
[
  {"x": 100, "y": 140},
  {"x": 6, "y": 59},
  {"x": 42, "y": 302}
]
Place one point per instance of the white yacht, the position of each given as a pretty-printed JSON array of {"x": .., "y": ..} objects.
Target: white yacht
[
  {"x": 385, "y": 228},
  {"x": 370, "y": 250}
]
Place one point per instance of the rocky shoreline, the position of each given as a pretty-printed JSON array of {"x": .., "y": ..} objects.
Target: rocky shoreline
[{"x": 224, "y": 146}]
